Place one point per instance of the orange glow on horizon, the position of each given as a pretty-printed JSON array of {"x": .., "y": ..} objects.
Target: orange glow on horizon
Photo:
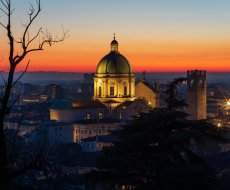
[{"x": 72, "y": 56}]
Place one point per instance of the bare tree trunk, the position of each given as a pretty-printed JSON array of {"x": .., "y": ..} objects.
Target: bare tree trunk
[
  {"x": 4, "y": 165},
  {"x": 14, "y": 59}
]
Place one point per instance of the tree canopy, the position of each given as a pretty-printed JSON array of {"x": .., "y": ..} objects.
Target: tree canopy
[{"x": 159, "y": 150}]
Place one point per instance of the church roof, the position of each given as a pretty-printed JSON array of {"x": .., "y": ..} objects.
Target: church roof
[
  {"x": 86, "y": 104},
  {"x": 114, "y": 62},
  {"x": 62, "y": 104},
  {"x": 129, "y": 103}
]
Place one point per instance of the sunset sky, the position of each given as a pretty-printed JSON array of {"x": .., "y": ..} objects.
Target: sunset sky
[{"x": 155, "y": 35}]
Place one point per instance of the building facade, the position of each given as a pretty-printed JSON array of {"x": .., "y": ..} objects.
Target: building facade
[{"x": 196, "y": 94}]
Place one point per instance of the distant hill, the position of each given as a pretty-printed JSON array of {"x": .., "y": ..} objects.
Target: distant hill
[{"x": 66, "y": 77}]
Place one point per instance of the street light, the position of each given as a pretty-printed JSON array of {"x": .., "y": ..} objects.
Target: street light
[{"x": 219, "y": 124}]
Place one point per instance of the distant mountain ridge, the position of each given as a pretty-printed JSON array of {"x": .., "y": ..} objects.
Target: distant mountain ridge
[{"x": 64, "y": 77}]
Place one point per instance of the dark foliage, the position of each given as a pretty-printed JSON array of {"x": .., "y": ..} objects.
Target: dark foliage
[
  {"x": 173, "y": 97},
  {"x": 160, "y": 151}
]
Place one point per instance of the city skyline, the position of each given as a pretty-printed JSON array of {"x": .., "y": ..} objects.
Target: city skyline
[{"x": 155, "y": 36}]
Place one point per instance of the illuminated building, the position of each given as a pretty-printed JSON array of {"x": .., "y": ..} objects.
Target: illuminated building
[
  {"x": 115, "y": 94},
  {"x": 32, "y": 99},
  {"x": 65, "y": 110},
  {"x": 114, "y": 101},
  {"x": 148, "y": 92},
  {"x": 114, "y": 81}
]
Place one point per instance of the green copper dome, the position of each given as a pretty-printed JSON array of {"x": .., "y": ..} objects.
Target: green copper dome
[
  {"x": 114, "y": 42},
  {"x": 114, "y": 62}
]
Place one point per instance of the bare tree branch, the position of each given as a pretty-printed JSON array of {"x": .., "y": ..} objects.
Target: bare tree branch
[
  {"x": 35, "y": 37},
  {"x": 32, "y": 17},
  {"x": 4, "y": 4},
  {"x": 4, "y": 11},
  {"x": 25, "y": 43},
  {"x": 3, "y": 25},
  {"x": 25, "y": 70}
]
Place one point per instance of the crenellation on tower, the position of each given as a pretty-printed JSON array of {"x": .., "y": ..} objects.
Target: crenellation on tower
[
  {"x": 191, "y": 73},
  {"x": 196, "y": 94}
]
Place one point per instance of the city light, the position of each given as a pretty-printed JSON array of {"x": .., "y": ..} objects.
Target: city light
[
  {"x": 219, "y": 125},
  {"x": 228, "y": 103}
]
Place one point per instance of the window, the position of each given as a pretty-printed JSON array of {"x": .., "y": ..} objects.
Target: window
[
  {"x": 201, "y": 84},
  {"x": 112, "y": 90},
  {"x": 191, "y": 83},
  {"x": 100, "y": 115},
  {"x": 88, "y": 116},
  {"x": 99, "y": 91},
  {"x": 125, "y": 90}
]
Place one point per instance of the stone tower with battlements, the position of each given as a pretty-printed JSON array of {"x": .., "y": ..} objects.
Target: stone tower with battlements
[{"x": 196, "y": 94}]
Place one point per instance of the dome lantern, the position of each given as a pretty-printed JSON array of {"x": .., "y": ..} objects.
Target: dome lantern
[{"x": 114, "y": 44}]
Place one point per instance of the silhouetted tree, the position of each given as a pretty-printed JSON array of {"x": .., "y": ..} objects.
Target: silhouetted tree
[
  {"x": 173, "y": 98},
  {"x": 26, "y": 43},
  {"x": 156, "y": 151}
]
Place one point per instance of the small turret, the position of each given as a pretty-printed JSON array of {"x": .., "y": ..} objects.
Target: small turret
[{"x": 114, "y": 44}]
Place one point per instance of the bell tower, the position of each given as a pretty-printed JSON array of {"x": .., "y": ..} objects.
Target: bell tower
[{"x": 196, "y": 94}]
